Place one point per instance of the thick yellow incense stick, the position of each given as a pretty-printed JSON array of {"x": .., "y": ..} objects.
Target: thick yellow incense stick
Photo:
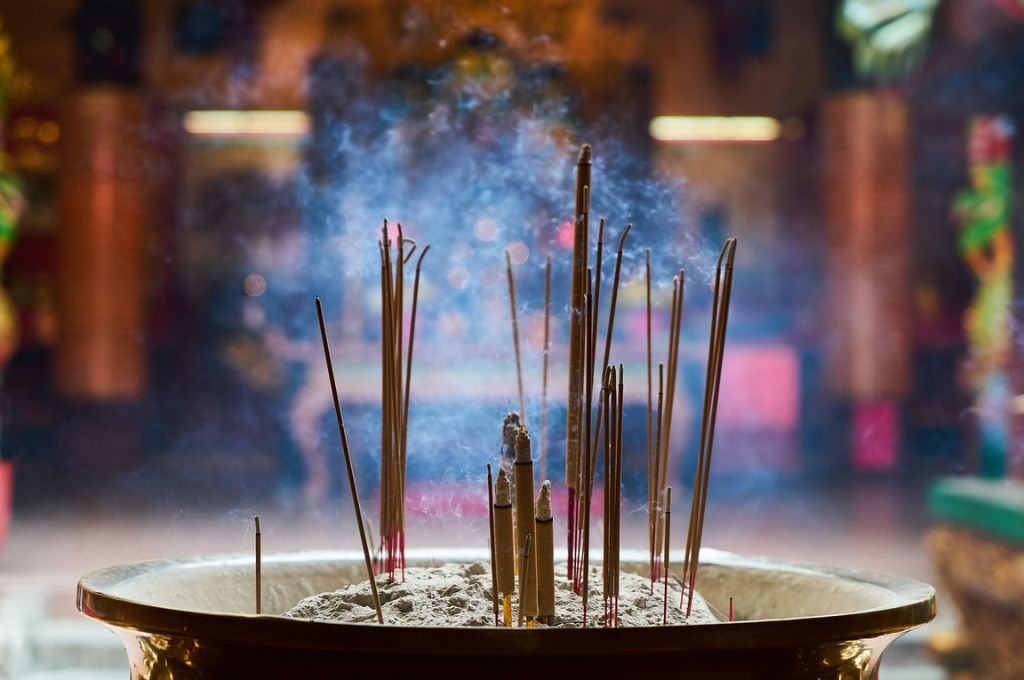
[
  {"x": 504, "y": 541},
  {"x": 525, "y": 519},
  {"x": 544, "y": 530}
]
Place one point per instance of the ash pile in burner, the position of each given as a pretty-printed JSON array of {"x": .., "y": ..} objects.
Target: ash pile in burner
[{"x": 460, "y": 595}]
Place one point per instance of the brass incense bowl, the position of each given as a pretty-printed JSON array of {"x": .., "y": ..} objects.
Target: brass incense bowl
[{"x": 194, "y": 618}]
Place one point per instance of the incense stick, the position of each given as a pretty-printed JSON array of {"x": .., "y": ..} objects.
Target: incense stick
[
  {"x": 490, "y": 526},
  {"x": 348, "y": 461},
  {"x": 668, "y": 534},
  {"x": 650, "y": 415},
  {"x": 515, "y": 335},
  {"x": 545, "y": 554},
  {"x": 544, "y": 375},
  {"x": 504, "y": 542},
  {"x": 525, "y": 575},
  {"x": 259, "y": 567}
]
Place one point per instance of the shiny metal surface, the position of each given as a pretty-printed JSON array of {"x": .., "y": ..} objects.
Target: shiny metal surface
[{"x": 189, "y": 619}]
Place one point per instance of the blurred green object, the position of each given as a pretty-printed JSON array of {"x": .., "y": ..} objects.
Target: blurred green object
[
  {"x": 12, "y": 205},
  {"x": 993, "y": 507},
  {"x": 888, "y": 37}
]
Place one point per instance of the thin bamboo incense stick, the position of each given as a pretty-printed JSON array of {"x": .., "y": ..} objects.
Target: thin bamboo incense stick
[
  {"x": 606, "y": 550},
  {"x": 615, "y": 295},
  {"x": 656, "y": 484},
  {"x": 490, "y": 527},
  {"x": 348, "y": 461},
  {"x": 259, "y": 567},
  {"x": 544, "y": 374},
  {"x": 668, "y": 535},
  {"x": 650, "y": 415},
  {"x": 525, "y": 572},
  {"x": 617, "y": 488},
  {"x": 611, "y": 316},
  {"x": 515, "y": 335}
]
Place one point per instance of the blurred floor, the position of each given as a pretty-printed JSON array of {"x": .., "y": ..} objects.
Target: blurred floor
[{"x": 870, "y": 524}]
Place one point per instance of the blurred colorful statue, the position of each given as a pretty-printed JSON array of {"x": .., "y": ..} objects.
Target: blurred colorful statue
[
  {"x": 986, "y": 244},
  {"x": 12, "y": 205}
]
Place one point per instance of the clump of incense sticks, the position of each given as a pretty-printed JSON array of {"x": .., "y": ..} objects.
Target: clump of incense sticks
[
  {"x": 582, "y": 429},
  {"x": 612, "y": 402},
  {"x": 581, "y": 216},
  {"x": 721, "y": 295},
  {"x": 395, "y": 394}
]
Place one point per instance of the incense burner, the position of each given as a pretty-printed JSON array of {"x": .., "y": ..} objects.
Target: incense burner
[{"x": 193, "y": 618}]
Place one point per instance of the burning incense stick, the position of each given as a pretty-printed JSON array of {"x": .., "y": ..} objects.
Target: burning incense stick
[
  {"x": 348, "y": 461},
  {"x": 504, "y": 542},
  {"x": 576, "y": 329},
  {"x": 259, "y": 567},
  {"x": 490, "y": 527},
  {"x": 544, "y": 375},
  {"x": 544, "y": 530},
  {"x": 525, "y": 519},
  {"x": 515, "y": 335},
  {"x": 731, "y": 613},
  {"x": 510, "y": 426},
  {"x": 716, "y": 347}
]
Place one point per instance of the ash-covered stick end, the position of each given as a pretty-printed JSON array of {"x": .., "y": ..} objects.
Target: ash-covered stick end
[
  {"x": 585, "y": 153},
  {"x": 524, "y": 448},
  {"x": 544, "y": 502}
]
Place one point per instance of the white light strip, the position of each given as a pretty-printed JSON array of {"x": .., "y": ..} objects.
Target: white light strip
[
  {"x": 254, "y": 123},
  {"x": 715, "y": 129}
]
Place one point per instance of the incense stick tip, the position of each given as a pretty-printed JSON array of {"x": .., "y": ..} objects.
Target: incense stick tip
[
  {"x": 524, "y": 448},
  {"x": 544, "y": 502},
  {"x": 585, "y": 153},
  {"x": 502, "y": 489}
]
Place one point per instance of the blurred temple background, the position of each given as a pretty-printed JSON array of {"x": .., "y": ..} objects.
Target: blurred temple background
[{"x": 180, "y": 178}]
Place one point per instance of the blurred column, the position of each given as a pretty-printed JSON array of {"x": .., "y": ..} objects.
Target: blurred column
[
  {"x": 865, "y": 205},
  {"x": 101, "y": 212},
  {"x": 101, "y": 209}
]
